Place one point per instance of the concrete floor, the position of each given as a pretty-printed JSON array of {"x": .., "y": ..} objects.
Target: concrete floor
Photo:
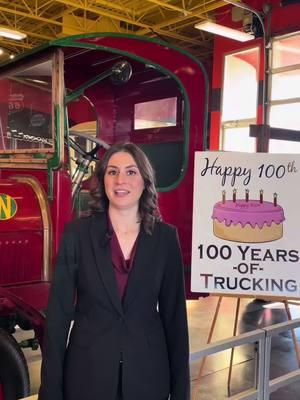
[{"x": 213, "y": 383}]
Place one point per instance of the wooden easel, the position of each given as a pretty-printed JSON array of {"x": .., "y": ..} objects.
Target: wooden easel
[{"x": 286, "y": 303}]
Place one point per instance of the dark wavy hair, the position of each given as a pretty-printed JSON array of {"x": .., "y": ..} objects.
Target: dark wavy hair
[{"x": 148, "y": 204}]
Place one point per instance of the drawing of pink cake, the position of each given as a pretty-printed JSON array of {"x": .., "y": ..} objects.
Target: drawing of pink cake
[{"x": 251, "y": 221}]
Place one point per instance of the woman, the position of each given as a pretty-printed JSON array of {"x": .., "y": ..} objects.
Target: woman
[{"x": 123, "y": 266}]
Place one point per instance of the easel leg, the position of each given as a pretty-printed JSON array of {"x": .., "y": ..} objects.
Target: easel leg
[
  {"x": 237, "y": 310},
  {"x": 196, "y": 388},
  {"x": 288, "y": 312}
]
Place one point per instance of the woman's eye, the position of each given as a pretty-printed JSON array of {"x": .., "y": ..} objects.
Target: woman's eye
[
  {"x": 111, "y": 172},
  {"x": 131, "y": 172}
]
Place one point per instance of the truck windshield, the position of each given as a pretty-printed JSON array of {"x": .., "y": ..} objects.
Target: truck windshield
[{"x": 26, "y": 109}]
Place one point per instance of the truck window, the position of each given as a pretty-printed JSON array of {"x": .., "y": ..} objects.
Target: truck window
[
  {"x": 155, "y": 114},
  {"x": 26, "y": 109}
]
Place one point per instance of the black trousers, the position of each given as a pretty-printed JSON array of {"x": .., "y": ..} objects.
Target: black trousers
[{"x": 119, "y": 392}]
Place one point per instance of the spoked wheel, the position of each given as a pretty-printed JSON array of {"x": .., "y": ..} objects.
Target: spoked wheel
[{"x": 14, "y": 377}]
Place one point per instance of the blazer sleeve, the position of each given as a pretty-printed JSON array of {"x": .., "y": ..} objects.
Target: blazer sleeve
[
  {"x": 172, "y": 308},
  {"x": 60, "y": 313}
]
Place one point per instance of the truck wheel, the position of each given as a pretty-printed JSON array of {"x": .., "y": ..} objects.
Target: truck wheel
[{"x": 14, "y": 376}]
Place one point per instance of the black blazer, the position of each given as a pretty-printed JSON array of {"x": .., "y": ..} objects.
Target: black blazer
[{"x": 148, "y": 330}]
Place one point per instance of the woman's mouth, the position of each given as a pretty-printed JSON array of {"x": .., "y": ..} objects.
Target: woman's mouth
[{"x": 121, "y": 192}]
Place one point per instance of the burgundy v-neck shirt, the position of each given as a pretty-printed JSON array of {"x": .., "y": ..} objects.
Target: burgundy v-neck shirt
[{"x": 121, "y": 266}]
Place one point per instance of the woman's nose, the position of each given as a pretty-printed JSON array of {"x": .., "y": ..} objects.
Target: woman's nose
[{"x": 120, "y": 177}]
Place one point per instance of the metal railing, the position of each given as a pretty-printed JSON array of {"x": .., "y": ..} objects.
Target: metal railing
[
  {"x": 285, "y": 379},
  {"x": 263, "y": 385}
]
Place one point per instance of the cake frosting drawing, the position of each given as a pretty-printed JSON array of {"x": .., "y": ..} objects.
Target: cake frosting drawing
[{"x": 246, "y": 220}]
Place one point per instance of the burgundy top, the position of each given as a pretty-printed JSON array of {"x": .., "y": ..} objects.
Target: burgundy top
[{"x": 121, "y": 266}]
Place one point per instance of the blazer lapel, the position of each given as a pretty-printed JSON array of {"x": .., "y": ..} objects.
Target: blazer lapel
[
  {"x": 141, "y": 266},
  {"x": 100, "y": 243}
]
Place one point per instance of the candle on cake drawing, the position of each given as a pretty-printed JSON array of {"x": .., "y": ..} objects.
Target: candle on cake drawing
[{"x": 248, "y": 219}]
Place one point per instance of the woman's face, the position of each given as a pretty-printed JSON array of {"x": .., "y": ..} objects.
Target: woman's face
[{"x": 123, "y": 182}]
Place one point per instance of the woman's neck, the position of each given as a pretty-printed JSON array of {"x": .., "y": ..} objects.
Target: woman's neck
[{"x": 124, "y": 221}]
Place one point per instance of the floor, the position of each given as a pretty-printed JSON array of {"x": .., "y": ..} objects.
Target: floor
[{"x": 213, "y": 383}]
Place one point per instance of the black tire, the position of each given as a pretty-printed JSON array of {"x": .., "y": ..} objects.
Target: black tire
[{"x": 14, "y": 376}]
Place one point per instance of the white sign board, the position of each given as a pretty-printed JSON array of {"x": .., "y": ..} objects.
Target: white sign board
[{"x": 246, "y": 224}]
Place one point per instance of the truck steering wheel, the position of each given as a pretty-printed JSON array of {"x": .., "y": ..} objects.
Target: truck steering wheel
[
  {"x": 92, "y": 155},
  {"x": 84, "y": 161}
]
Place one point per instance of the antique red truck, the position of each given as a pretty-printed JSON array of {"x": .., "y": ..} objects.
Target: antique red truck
[{"x": 61, "y": 106}]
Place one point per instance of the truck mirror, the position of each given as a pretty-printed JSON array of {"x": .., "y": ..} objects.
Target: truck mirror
[{"x": 121, "y": 72}]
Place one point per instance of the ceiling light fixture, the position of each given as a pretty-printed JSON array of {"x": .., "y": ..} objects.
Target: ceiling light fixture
[
  {"x": 12, "y": 34},
  {"x": 222, "y": 30}
]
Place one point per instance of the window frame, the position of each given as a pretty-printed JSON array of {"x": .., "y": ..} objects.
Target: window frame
[
  {"x": 27, "y": 152},
  {"x": 242, "y": 122},
  {"x": 273, "y": 72}
]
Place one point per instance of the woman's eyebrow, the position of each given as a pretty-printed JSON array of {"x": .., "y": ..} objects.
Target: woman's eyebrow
[
  {"x": 131, "y": 166},
  {"x": 127, "y": 166}
]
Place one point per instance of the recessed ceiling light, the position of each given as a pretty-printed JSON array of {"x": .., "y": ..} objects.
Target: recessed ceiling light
[
  {"x": 222, "y": 30},
  {"x": 12, "y": 34}
]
